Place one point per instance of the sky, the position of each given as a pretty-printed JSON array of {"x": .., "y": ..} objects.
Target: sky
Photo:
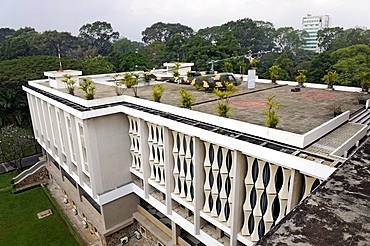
[{"x": 131, "y": 17}]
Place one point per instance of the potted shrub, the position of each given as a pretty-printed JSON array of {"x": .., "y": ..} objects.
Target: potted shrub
[
  {"x": 70, "y": 83},
  {"x": 157, "y": 93},
  {"x": 186, "y": 99},
  {"x": 274, "y": 73},
  {"x": 117, "y": 84},
  {"x": 336, "y": 108},
  {"x": 365, "y": 81},
  {"x": 272, "y": 119},
  {"x": 131, "y": 81},
  {"x": 301, "y": 78},
  {"x": 330, "y": 78},
  {"x": 88, "y": 89},
  {"x": 360, "y": 98},
  {"x": 223, "y": 107}
]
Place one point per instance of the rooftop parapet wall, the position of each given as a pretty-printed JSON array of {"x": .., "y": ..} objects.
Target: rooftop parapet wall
[{"x": 285, "y": 137}]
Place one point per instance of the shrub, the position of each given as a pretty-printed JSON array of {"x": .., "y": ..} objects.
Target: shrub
[
  {"x": 157, "y": 92},
  {"x": 186, "y": 99}
]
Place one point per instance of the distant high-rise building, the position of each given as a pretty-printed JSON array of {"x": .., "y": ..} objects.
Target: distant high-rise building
[{"x": 312, "y": 24}]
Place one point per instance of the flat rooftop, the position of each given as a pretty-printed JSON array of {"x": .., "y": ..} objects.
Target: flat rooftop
[
  {"x": 302, "y": 111},
  {"x": 336, "y": 213}
]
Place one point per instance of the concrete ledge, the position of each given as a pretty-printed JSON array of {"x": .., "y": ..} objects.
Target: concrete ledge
[{"x": 154, "y": 229}]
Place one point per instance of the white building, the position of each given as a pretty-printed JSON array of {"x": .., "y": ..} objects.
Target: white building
[
  {"x": 174, "y": 175},
  {"x": 312, "y": 24}
]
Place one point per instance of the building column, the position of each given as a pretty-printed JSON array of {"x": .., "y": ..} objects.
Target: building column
[
  {"x": 238, "y": 195},
  {"x": 295, "y": 188},
  {"x": 168, "y": 166},
  {"x": 198, "y": 180},
  {"x": 144, "y": 149}
]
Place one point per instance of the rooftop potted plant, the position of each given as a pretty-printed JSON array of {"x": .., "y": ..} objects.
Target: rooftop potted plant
[
  {"x": 272, "y": 119},
  {"x": 223, "y": 107},
  {"x": 336, "y": 108},
  {"x": 131, "y": 81},
  {"x": 330, "y": 78},
  {"x": 186, "y": 99},
  {"x": 88, "y": 89},
  {"x": 70, "y": 83},
  {"x": 301, "y": 78},
  {"x": 365, "y": 81},
  {"x": 157, "y": 93},
  {"x": 274, "y": 73}
]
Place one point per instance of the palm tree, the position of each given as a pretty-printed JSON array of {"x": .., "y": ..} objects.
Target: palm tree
[
  {"x": 227, "y": 64},
  {"x": 330, "y": 78},
  {"x": 12, "y": 103},
  {"x": 242, "y": 66}
]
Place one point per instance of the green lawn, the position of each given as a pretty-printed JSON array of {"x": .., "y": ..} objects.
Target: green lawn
[
  {"x": 19, "y": 224},
  {"x": 5, "y": 180}
]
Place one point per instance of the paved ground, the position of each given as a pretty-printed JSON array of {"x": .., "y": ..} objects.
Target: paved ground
[
  {"x": 75, "y": 220},
  {"x": 28, "y": 161},
  {"x": 302, "y": 110}
]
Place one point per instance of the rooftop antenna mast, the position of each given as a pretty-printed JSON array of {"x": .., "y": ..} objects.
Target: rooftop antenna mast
[{"x": 60, "y": 61}]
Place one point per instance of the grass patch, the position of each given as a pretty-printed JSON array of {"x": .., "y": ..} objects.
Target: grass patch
[
  {"x": 5, "y": 180},
  {"x": 19, "y": 223}
]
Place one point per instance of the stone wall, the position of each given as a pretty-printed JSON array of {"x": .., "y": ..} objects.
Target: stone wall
[
  {"x": 148, "y": 239},
  {"x": 114, "y": 239},
  {"x": 39, "y": 177}
]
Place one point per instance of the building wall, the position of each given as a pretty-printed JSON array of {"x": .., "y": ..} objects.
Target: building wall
[
  {"x": 108, "y": 151},
  {"x": 121, "y": 157},
  {"x": 119, "y": 212}
]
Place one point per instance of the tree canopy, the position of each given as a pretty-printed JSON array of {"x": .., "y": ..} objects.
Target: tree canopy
[
  {"x": 162, "y": 32},
  {"x": 99, "y": 34}
]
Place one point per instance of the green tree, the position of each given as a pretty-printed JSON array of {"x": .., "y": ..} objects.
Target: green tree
[
  {"x": 350, "y": 63},
  {"x": 162, "y": 32},
  {"x": 201, "y": 52},
  {"x": 99, "y": 34},
  {"x": 154, "y": 53},
  {"x": 124, "y": 45},
  {"x": 326, "y": 36},
  {"x": 130, "y": 60},
  {"x": 173, "y": 50},
  {"x": 14, "y": 142},
  {"x": 5, "y": 32},
  {"x": 99, "y": 62},
  {"x": 288, "y": 38},
  {"x": 12, "y": 103},
  {"x": 266, "y": 61},
  {"x": 350, "y": 37},
  {"x": 287, "y": 67},
  {"x": 319, "y": 66}
]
